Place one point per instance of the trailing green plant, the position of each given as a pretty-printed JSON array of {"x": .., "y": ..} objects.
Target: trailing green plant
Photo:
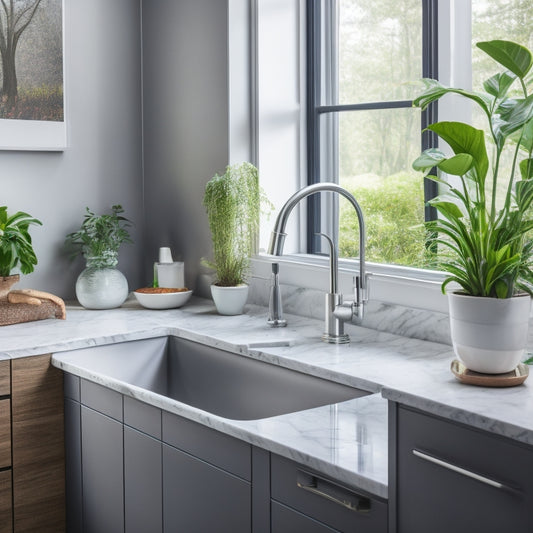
[
  {"x": 100, "y": 236},
  {"x": 490, "y": 247},
  {"x": 233, "y": 202},
  {"x": 16, "y": 249}
]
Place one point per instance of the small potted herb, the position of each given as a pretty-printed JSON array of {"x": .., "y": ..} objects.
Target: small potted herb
[
  {"x": 101, "y": 285},
  {"x": 233, "y": 203},
  {"x": 16, "y": 249}
]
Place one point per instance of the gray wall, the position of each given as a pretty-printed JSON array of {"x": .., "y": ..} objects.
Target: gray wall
[
  {"x": 150, "y": 146},
  {"x": 185, "y": 95},
  {"x": 102, "y": 164}
]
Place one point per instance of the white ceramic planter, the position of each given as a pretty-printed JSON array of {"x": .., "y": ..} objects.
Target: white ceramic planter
[
  {"x": 489, "y": 335},
  {"x": 229, "y": 300}
]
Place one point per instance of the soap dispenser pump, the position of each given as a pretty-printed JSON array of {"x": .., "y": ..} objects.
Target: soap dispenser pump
[{"x": 169, "y": 272}]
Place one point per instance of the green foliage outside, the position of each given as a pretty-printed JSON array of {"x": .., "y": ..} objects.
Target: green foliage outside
[
  {"x": 39, "y": 103},
  {"x": 393, "y": 207}
]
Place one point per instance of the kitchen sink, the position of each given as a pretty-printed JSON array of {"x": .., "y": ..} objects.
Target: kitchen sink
[{"x": 211, "y": 379}]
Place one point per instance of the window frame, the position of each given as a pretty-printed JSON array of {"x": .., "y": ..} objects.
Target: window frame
[{"x": 314, "y": 109}]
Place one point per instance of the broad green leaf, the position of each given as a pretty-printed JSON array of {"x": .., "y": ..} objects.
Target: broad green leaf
[
  {"x": 463, "y": 138},
  {"x": 428, "y": 159},
  {"x": 526, "y": 169},
  {"x": 435, "y": 90},
  {"x": 499, "y": 84},
  {"x": 457, "y": 165},
  {"x": 448, "y": 209},
  {"x": 512, "y": 56},
  {"x": 515, "y": 116}
]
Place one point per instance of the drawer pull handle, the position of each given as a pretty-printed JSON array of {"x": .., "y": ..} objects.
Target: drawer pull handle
[
  {"x": 460, "y": 470},
  {"x": 332, "y": 492}
]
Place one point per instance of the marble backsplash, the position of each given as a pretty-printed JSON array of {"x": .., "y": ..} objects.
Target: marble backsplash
[{"x": 401, "y": 320}]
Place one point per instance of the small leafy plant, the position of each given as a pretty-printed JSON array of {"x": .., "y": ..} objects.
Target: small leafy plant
[
  {"x": 490, "y": 248},
  {"x": 100, "y": 236},
  {"x": 233, "y": 203},
  {"x": 16, "y": 248}
]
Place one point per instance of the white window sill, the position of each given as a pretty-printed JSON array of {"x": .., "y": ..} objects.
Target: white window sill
[{"x": 387, "y": 283}]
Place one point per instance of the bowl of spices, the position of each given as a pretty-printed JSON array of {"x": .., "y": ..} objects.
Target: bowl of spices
[{"x": 162, "y": 297}]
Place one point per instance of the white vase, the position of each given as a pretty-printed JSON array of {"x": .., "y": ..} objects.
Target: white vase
[
  {"x": 489, "y": 335},
  {"x": 229, "y": 300},
  {"x": 101, "y": 285}
]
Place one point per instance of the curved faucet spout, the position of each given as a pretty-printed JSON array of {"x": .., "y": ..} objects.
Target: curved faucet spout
[{"x": 277, "y": 241}]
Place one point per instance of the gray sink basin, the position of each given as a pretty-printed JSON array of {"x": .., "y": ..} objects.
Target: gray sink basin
[{"x": 219, "y": 382}]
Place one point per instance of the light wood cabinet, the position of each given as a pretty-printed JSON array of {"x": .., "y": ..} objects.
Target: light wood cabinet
[
  {"x": 6, "y": 515},
  {"x": 38, "y": 468}
]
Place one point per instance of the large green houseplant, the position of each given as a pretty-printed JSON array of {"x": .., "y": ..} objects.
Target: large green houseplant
[
  {"x": 16, "y": 248},
  {"x": 487, "y": 239},
  {"x": 233, "y": 204}
]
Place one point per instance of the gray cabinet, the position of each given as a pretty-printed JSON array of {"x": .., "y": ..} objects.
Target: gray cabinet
[
  {"x": 143, "y": 487},
  {"x": 102, "y": 472},
  {"x": 132, "y": 468},
  {"x": 303, "y": 500},
  {"x": 449, "y": 477},
  {"x": 199, "y": 497}
]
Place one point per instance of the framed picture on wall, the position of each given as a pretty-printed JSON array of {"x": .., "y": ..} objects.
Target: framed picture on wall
[{"x": 32, "y": 96}]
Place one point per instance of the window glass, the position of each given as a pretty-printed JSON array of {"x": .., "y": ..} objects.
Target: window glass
[
  {"x": 376, "y": 149},
  {"x": 380, "y": 49},
  {"x": 498, "y": 19}
]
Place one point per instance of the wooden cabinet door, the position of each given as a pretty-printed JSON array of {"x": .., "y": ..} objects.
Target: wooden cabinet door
[
  {"x": 6, "y": 515},
  {"x": 5, "y": 433},
  {"x": 38, "y": 445}
]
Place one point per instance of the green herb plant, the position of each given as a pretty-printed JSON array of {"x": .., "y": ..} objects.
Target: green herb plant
[
  {"x": 100, "y": 236},
  {"x": 490, "y": 247},
  {"x": 233, "y": 202},
  {"x": 16, "y": 249}
]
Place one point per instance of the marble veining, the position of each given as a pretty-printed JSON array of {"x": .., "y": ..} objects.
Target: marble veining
[{"x": 404, "y": 369}]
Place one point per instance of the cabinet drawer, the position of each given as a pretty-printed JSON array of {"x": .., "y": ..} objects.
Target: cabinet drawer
[
  {"x": 462, "y": 475},
  {"x": 333, "y": 504},
  {"x": 5, "y": 378},
  {"x": 5, "y": 433},
  {"x": 216, "y": 448},
  {"x": 6, "y": 513},
  {"x": 286, "y": 520}
]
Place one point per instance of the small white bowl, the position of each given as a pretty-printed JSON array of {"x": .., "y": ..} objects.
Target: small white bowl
[{"x": 169, "y": 300}]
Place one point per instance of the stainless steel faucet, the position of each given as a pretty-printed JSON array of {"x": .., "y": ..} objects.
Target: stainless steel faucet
[{"x": 337, "y": 312}]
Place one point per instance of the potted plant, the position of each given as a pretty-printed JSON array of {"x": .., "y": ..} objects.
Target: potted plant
[
  {"x": 488, "y": 240},
  {"x": 233, "y": 204},
  {"x": 101, "y": 285},
  {"x": 16, "y": 249}
]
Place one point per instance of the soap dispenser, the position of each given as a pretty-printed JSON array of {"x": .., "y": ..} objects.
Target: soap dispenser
[
  {"x": 275, "y": 312},
  {"x": 169, "y": 272}
]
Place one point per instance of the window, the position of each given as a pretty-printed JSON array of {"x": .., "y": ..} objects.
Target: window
[{"x": 362, "y": 129}]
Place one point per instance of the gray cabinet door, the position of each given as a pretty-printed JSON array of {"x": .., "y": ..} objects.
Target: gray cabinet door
[
  {"x": 103, "y": 476},
  {"x": 73, "y": 480},
  {"x": 199, "y": 497},
  {"x": 142, "y": 483},
  {"x": 286, "y": 520},
  {"x": 452, "y": 478}
]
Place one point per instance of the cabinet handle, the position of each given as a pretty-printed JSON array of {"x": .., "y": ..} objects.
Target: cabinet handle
[
  {"x": 333, "y": 492},
  {"x": 459, "y": 470}
]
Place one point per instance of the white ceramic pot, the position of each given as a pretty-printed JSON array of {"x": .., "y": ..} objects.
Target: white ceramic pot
[
  {"x": 229, "y": 300},
  {"x": 489, "y": 335}
]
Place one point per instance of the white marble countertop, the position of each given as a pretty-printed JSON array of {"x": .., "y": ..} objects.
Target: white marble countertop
[{"x": 410, "y": 371}]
